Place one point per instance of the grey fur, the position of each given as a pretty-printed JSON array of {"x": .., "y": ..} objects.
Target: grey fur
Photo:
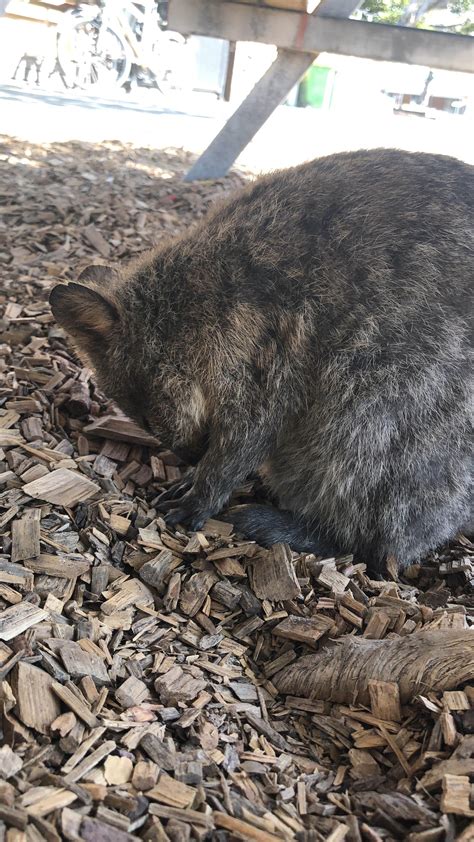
[{"x": 316, "y": 326}]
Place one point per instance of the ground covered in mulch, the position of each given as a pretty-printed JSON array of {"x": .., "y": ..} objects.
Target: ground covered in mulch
[{"x": 139, "y": 667}]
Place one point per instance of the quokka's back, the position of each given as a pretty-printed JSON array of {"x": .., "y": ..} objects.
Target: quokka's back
[{"x": 317, "y": 324}]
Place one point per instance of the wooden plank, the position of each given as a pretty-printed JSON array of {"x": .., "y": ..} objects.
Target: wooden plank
[
  {"x": 252, "y": 113},
  {"x": 318, "y": 33}
]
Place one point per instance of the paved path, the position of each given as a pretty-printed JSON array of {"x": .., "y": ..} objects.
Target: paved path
[{"x": 290, "y": 136}]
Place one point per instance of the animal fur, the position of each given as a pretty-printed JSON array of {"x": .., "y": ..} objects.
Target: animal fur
[{"x": 315, "y": 326}]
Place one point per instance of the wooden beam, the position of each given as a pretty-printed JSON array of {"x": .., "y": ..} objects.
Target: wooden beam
[
  {"x": 318, "y": 33},
  {"x": 260, "y": 103},
  {"x": 250, "y": 116}
]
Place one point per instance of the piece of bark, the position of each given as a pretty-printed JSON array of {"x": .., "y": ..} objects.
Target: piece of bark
[
  {"x": 90, "y": 762},
  {"x": 131, "y": 692},
  {"x": 62, "y": 487},
  {"x": 16, "y": 575},
  {"x": 13, "y": 816},
  {"x": 304, "y": 629},
  {"x": 377, "y": 626},
  {"x": 196, "y": 818},
  {"x": 64, "y": 723},
  {"x": 19, "y": 618},
  {"x": 145, "y": 775},
  {"x": 385, "y": 700},
  {"x": 99, "y": 578},
  {"x": 79, "y": 401},
  {"x": 456, "y": 700},
  {"x": 456, "y": 795},
  {"x": 82, "y": 749},
  {"x": 75, "y": 704},
  {"x": 273, "y": 576},
  {"x": 178, "y": 686},
  {"x": 330, "y": 576},
  {"x": 158, "y": 752},
  {"x": 157, "y": 571},
  {"x": 50, "y": 799},
  {"x": 26, "y": 536},
  {"x": 97, "y": 240},
  {"x": 93, "y": 830},
  {"x": 419, "y": 662},
  {"x": 120, "y": 429},
  {"x": 264, "y": 728},
  {"x": 132, "y": 592},
  {"x": 119, "y": 524},
  {"x": 37, "y": 706},
  {"x": 226, "y": 593},
  {"x": 195, "y": 591},
  {"x": 117, "y": 770},
  {"x": 60, "y": 566},
  {"x": 10, "y": 763},
  {"x": 448, "y": 727},
  {"x": 172, "y": 792},
  {"x": 243, "y": 830},
  {"x": 398, "y": 806},
  {"x": 79, "y": 663}
]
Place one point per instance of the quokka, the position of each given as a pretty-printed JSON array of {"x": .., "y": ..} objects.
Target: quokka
[{"x": 316, "y": 327}]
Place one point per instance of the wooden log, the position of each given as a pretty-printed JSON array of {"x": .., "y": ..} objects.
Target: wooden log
[{"x": 422, "y": 661}]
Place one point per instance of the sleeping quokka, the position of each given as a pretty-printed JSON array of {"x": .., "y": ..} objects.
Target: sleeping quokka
[{"x": 315, "y": 327}]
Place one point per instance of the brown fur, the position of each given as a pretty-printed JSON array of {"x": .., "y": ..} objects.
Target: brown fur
[{"x": 317, "y": 322}]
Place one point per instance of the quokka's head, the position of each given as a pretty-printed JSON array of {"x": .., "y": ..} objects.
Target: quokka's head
[{"x": 133, "y": 356}]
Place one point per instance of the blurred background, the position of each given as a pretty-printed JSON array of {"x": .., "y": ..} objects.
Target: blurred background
[{"x": 151, "y": 87}]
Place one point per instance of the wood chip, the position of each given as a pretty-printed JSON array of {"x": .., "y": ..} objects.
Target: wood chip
[
  {"x": 19, "y": 618},
  {"x": 26, "y": 536},
  {"x": 385, "y": 700},
  {"x": 62, "y": 487},
  {"x": 273, "y": 577}
]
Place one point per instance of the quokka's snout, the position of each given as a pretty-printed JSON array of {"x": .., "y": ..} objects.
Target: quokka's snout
[{"x": 319, "y": 322}]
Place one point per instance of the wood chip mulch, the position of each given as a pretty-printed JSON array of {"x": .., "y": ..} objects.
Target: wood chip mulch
[{"x": 139, "y": 667}]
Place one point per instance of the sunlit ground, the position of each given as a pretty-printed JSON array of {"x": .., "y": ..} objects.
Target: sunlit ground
[
  {"x": 360, "y": 117},
  {"x": 291, "y": 135}
]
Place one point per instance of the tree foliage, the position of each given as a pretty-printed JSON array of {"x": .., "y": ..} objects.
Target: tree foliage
[{"x": 414, "y": 13}]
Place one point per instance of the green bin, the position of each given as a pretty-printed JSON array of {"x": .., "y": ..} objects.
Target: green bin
[{"x": 312, "y": 89}]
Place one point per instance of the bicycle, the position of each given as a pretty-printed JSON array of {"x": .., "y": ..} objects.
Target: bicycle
[{"x": 113, "y": 45}]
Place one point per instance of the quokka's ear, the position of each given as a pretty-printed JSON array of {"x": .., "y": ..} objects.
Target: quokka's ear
[
  {"x": 83, "y": 312},
  {"x": 99, "y": 274}
]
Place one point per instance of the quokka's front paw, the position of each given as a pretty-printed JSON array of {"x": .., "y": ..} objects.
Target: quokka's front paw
[
  {"x": 190, "y": 511},
  {"x": 175, "y": 492}
]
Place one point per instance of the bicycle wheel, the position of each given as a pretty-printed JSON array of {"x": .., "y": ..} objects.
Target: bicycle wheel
[{"x": 91, "y": 55}]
